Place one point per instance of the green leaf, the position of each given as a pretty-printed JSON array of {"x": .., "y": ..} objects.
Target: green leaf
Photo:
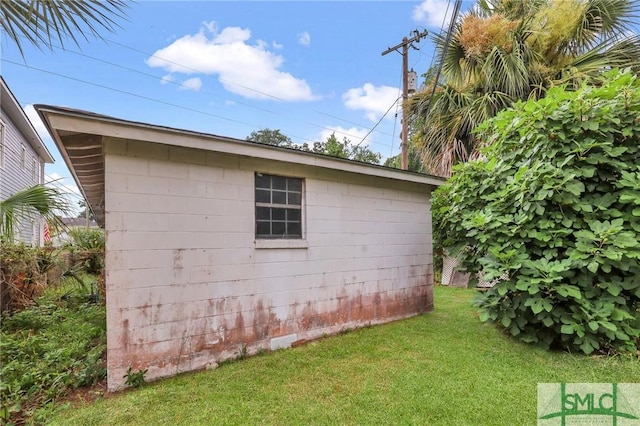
[
  {"x": 575, "y": 187},
  {"x": 587, "y": 347},
  {"x": 593, "y": 266},
  {"x": 608, "y": 325},
  {"x": 566, "y": 329}
]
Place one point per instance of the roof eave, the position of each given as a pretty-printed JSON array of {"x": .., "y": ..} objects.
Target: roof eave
[{"x": 19, "y": 117}]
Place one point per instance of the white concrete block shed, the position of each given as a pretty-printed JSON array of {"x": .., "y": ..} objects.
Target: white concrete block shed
[{"x": 215, "y": 244}]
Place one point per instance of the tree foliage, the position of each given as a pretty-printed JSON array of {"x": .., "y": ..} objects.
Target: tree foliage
[
  {"x": 503, "y": 51},
  {"x": 83, "y": 211},
  {"x": 45, "y": 22},
  {"x": 332, "y": 146},
  {"x": 345, "y": 149},
  {"x": 270, "y": 137},
  {"x": 552, "y": 213},
  {"x": 414, "y": 163}
]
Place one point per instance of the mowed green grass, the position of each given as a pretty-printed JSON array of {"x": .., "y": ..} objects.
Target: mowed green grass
[{"x": 441, "y": 368}]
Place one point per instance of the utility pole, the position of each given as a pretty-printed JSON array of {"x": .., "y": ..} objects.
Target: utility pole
[{"x": 406, "y": 42}]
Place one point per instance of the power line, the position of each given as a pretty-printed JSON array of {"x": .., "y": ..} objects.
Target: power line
[
  {"x": 126, "y": 92},
  {"x": 180, "y": 84},
  {"x": 243, "y": 87},
  {"x": 454, "y": 16},
  {"x": 379, "y": 121},
  {"x": 395, "y": 120},
  {"x": 154, "y": 76},
  {"x": 253, "y": 126}
]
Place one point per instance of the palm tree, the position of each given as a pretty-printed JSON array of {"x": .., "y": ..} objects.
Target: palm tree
[
  {"x": 32, "y": 203},
  {"x": 503, "y": 51},
  {"x": 42, "y": 22}
]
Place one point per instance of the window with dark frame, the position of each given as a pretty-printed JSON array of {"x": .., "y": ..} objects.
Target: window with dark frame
[{"x": 278, "y": 207}]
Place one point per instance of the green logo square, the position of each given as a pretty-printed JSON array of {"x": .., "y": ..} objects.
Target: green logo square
[{"x": 616, "y": 404}]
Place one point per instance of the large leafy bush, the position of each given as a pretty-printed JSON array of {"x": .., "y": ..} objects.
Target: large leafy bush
[{"x": 552, "y": 213}]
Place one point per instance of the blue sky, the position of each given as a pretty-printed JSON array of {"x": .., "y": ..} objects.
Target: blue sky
[{"x": 230, "y": 68}]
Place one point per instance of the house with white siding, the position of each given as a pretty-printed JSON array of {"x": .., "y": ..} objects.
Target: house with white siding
[
  {"x": 22, "y": 158},
  {"x": 216, "y": 246}
]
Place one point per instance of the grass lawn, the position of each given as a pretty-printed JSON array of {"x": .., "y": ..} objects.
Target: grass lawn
[{"x": 441, "y": 368}]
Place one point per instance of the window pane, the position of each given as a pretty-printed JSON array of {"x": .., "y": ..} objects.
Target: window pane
[
  {"x": 278, "y": 228},
  {"x": 279, "y": 197},
  {"x": 263, "y": 196},
  {"x": 278, "y": 214},
  {"x": 294, "y": 198},
  {"x": 295, "y": 184},
  {"x": 294, "y": 229},
  {"x": 263, "y": 181},
  {"x": 279, "y": 182},
  {"x": 273, "y": 218},
  {"x": 262, "y": 213},
  {"x": 293, "y": 215},
  {"x": 263, "y": 228}
]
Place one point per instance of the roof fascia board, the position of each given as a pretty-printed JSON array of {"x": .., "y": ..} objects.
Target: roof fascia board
[
  {"x": 19, "y": 117},
  {"x": 72, "y": 121}
]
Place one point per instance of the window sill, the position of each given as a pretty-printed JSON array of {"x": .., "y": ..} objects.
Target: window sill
[{"x": 281, "y": 244}]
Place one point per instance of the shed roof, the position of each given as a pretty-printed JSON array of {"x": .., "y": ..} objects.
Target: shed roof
[
  {"x": 78, "y": 135},
  {"x": 13, "y": 109}
]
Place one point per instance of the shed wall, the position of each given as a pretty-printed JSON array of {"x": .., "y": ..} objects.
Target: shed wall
[{"x": 187, "y": 286}]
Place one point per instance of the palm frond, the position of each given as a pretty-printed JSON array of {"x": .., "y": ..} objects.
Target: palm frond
[
  {"x": 31, "y": 203},
  {"x": 623, "y": 53},
  {"x": 43, "y": 22}
]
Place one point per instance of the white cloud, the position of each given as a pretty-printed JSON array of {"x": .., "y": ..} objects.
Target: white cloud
[
  {"x": 64, "y": 184},
  {"x": 375, "y": 101},
  {"x": 276, "y": 45},
  {"x": 249, "y": 70},
  {"x": 167, "y": 79},
  {"x": 67, "y": 186},
  {"x": 193, "y": 83},
  {"x": 433, "y": 13},
  {"x": 33, "y": 116},
  {"x": 354, "y": 134},
  {"x": 304, "y": 38}
]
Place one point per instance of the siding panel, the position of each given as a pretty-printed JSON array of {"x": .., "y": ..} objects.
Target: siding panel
[{"x": 14, "y": 177}]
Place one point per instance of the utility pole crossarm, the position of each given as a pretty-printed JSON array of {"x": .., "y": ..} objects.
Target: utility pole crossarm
[{"x": 406, "y": 42}]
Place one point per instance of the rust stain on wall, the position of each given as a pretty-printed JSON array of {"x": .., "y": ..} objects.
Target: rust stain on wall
[{"x": 254, "y": 326}]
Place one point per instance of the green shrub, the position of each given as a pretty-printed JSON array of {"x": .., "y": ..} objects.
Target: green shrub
[
  {"x": 553, "y": 214},
  {"x": 46, "y": 350},
  {"x": 24, "y": 274},
  {"x": 87, "y": 248}
]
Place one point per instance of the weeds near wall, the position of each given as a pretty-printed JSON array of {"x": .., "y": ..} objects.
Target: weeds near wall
[
  {"x": 135, "y": 379},
  {"x": 47, "y": 350}
]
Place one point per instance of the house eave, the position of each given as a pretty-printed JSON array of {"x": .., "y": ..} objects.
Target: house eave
[
  {"x": 11, "y": 105},
  {"x": 78, "y": 135}
]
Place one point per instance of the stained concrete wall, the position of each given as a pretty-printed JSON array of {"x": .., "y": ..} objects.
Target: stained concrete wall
[{"x": 188, "y": 285}]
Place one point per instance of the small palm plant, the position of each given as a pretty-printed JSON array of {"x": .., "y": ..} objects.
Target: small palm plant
[{"x": 31, "y": 203}]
